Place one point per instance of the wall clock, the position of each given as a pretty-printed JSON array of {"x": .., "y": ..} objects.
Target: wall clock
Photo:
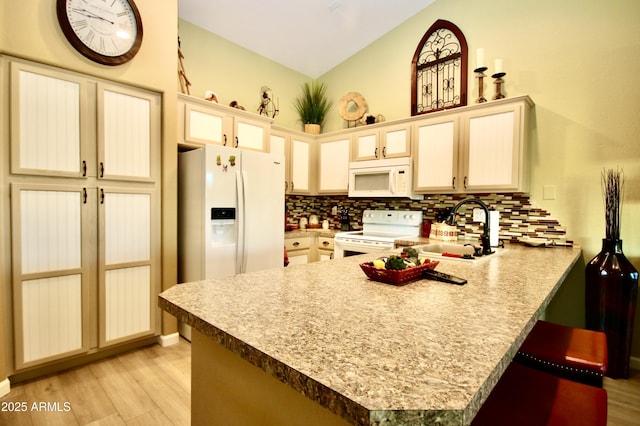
[{"x": 106, "y": 31}]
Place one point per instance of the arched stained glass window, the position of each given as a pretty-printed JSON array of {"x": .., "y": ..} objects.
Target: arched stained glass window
[{"x": 439, "y": 70}]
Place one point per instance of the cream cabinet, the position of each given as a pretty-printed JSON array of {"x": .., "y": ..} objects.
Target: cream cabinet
[
  {"x": 481, "y": 149},
  {"x": 85, "y": 212},
  {"x": 333, "y": 164},
  {"x": 382, "y": 141},
  {"x": 298, "y": 249},
  {"x": 308, "y": 247},
  {"x": 495, "y": 146},
  {"x": 324, "y": 246},
  {"x": 300, "y": 153},
  {"x": 203, "y": 122},
  {"x": 436, "y": 155}
]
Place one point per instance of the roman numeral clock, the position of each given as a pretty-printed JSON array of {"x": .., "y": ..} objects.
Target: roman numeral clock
[{"x": 106, "y": 31}]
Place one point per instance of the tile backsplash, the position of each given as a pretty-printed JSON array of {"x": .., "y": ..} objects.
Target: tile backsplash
[{"x": 518, "y": 217}]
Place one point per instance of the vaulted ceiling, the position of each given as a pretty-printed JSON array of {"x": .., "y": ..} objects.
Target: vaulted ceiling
[{"x": 308, "y": 36}]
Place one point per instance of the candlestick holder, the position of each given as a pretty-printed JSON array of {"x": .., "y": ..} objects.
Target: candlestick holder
[
  {"x": 480, "y": 75},
  {"x": 498, "y": 82}
]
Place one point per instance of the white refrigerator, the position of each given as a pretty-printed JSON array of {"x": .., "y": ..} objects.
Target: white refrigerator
[{"x": 231, "y": 213}]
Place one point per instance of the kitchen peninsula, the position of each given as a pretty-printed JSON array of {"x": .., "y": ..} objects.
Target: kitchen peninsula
[{"x": 321, "y": 344}]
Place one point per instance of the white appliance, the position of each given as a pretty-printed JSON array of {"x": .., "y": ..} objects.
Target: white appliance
[
  {"x": 389, "y": 177},
  {"x": 380, "y": 228},
  {"x": 230, "y": 214}
]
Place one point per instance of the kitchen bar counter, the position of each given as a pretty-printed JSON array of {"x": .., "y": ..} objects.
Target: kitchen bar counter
[{"x": 370, "y": 353}]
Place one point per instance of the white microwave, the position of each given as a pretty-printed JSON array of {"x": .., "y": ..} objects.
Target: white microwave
[{"x": 390, "y": 177}]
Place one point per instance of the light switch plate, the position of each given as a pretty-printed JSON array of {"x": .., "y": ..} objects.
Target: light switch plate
[{"x": 549, "y": 192}]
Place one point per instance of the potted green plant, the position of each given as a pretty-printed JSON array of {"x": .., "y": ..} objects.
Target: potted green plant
[{"x": 312, "y": 106}]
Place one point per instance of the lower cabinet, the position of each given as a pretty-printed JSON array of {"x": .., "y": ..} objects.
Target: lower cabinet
[
  {"x": 324, "y": 246},
  {"x": 309, "y": 247},
  {"x": 298, "y": 249}
]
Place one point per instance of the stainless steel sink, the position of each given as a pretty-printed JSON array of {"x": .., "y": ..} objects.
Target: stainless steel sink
[{"x": 453, "y": 252}]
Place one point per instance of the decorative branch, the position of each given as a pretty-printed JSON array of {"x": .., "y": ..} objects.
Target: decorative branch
[{"x": 612, "y": 192}]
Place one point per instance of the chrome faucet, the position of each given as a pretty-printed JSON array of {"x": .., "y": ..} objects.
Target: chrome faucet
[{"x": 484, "y": 239}]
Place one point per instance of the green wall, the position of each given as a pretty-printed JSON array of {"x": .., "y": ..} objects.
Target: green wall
[{"x": 235, "y": 73}]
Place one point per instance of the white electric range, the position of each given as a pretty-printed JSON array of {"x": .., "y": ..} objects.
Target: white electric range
[{"x": 380, "y": 228}]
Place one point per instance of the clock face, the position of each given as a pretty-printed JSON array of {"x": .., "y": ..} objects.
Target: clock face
[{"x": 106, "y": 31}]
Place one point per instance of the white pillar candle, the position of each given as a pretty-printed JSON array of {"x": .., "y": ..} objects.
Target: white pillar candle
[
  {"x": 498, "y": 66},
  {"x": 480, "y": 58}
]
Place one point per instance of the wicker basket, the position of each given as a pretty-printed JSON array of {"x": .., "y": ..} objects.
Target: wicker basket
[{"x": 397, "y": 277}]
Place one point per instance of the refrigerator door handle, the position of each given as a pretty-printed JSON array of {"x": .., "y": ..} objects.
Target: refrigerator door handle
[{"x": 240, "y": 220}]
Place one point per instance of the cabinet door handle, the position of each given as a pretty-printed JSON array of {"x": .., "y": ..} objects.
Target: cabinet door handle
[
  {"x": 291, "y": 186},
  {"x": 384, "y": 152},
  {"x": 325, "y": 243},
  {"x": 376, "y": 153},
  {"x": 84, "y": 168},
  {"x": 465, "y": 182},
  {"x": 101, "y": 196},
  {"x": 296, "y": 244},
  {"x": 224, "y": 143},
  {"x": 453, "y": 182},
  {"x": 237, "y": 142},
  {"x": 84, "y": 195},
  {"x": 101, "y": 169}
]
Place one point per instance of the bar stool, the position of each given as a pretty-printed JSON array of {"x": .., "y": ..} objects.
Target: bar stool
[
  {"x": 527, "y": 397},
  {"x": 573, "y": 353}
]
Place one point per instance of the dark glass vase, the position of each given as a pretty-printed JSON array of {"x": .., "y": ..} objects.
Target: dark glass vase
[{"x": 610, "y": 301}]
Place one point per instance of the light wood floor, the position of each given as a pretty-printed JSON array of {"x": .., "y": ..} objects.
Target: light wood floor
[{"x": 151, "y": 386}]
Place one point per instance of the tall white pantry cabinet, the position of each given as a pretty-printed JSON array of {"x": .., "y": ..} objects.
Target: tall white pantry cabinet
[{"x": 85, "y": 212}]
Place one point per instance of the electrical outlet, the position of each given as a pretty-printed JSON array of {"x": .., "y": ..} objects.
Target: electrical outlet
[
  {"x": 478, "y": 215},
  {"x": 334, "y": 211}
]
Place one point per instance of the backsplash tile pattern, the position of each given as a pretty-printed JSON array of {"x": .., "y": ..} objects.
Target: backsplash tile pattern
[{"x": 518, "y": 217}]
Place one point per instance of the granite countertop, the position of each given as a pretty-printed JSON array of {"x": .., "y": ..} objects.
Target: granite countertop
[
  {"x": 374, "y": 353},
  {"x": 320, "y": 232}
]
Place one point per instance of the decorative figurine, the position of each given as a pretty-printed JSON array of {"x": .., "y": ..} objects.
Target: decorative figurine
[{"x": 267, "y": 107}]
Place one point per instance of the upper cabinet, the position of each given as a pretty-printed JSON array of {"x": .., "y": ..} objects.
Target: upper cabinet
[
  {"x": 299, "y": 152},
  {"x": 203, "y": 122},
  {"x": 128, "y": 131},
  {"x": 436, "y": 154},
  {"x": 495, "y": 147},
  {"x": 479, "y": 149},
  {"x": 40, "y": 145},
  {"x": 54, "y": 131},
  {"x": 333, "y": 164},
  {"x": 382, "y": 141}
]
